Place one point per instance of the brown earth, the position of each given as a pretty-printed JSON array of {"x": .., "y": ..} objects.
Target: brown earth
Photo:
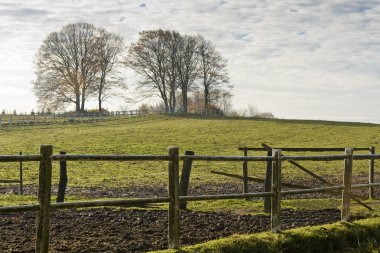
[{"x": 110, "y": 230}]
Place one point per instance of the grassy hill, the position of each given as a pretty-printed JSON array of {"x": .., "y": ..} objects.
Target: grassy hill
[
  {"x": 153, "y": 134},
  {"x": 208, "y": 136}
]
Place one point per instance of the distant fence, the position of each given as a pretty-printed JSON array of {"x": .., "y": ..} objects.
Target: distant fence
[
  {"x": 174, "y": 198},
  {"x": 64, "y": 118},
  {"x": 12, "y": 120}
]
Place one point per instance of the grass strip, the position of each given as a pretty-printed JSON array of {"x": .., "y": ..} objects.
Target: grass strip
[{"x": 357, "y": 236}]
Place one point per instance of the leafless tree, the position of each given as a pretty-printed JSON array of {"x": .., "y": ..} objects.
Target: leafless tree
[
  {"x": 213, "y": 72},
  {"x": 187, "y": 67},
  {"x": 73, "y": 64},
  {"x": 157, "y": 57},
  {"x": 172, "y": 42},
  {"x": 172, "y": 65},
  {"x": 110, "y": 49},
  {"x": 148, "y": 58}
]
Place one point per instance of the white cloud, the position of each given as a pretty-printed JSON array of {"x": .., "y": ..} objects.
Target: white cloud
[{"x": 290, "y": 57}]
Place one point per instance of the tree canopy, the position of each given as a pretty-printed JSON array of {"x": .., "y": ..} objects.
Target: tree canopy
[
  {"x": 172, "y": 65},
  {"x": 75, "y": 63},
  {"x": 81, "y": 61}
]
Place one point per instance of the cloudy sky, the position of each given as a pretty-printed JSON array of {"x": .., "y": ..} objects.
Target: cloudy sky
[{"x": 306, "y": 59}]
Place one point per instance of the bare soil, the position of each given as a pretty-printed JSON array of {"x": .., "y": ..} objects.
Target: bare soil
[
  {"x": 110, "y": 230},
  {"x": 122, "y": 230}
]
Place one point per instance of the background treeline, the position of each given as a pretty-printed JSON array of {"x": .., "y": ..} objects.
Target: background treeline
[{"x": 81, "y": 61}]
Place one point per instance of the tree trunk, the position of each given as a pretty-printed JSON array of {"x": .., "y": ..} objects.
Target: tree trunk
[
  {"x": 166, "y": 107},
  {"x": 77, "y": 103},
  {"x": 184, "y": 101},
  {"x": 100, "y": 105},
  {"x": 100, "y": 101},
  {"x": 206, "y": 98},
  {"x": 172, "y": 101},
  {"x": 82, "y": 105}
]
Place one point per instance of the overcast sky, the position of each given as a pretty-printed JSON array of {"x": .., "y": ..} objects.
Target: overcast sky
[{"x": 307, "y": 59}]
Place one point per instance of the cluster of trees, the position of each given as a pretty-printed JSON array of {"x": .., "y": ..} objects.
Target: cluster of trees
[
  {"x": 176, "y": 66},
  {"x": 81, "y": 61},
  {"x": 76, "y": 63}
]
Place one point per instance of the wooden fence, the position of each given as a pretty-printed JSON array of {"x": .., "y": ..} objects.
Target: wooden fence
[
  {"x": 9, "y": 120},
  {"x": 46, "y": 158},
  {"x": 19, "y": 180},
  {"x": 268, "y": 177}
]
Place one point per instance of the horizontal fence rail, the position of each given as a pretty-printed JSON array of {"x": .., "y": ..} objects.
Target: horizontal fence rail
[
  {"x": 283, "y": 158},
  {"x": 301, "y": 149},
  {"x": 17, "y": 158},
  {"x": 174, "y": 199},
  {"x": 111, "y": 157},
  {"x": 225, "y": 158}
]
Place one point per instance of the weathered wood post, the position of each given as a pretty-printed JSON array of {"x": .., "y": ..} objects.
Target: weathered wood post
[
  {"x": 268, "y": 183},
  {"x": 21, "y": 177},
  {"x": 62, "y": 179},
  {"x": 0, "y": 121},
  {"x": 10, "y": 120},
  {"x": 185, "y": 178},
  {"x": 347, "y": 181},
  {"x": 44, "y": 194},
  {"x": 173, "y": 226},
  {"x": 245, "y": 172},
  {"x": 276, "y": 189},
  {"x": 371, "y": 176}
]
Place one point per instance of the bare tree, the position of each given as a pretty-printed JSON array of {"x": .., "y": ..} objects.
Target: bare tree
[
  {"x": 148, "y": 58},
  {"x": 157, "y": 58},
  {"x": 75, "y": 63},
  {"x": 224, "y": 101},
  {"x": 110, "y": 49},
  {"x": 187, "y": 67},
  {"x": 172, "y": 65},
  {"x": 172, "y": 42},
  {"x": 213, "y": 72}
]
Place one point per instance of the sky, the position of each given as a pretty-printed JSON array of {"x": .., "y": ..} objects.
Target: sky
[{"x": 306, "y": 59}]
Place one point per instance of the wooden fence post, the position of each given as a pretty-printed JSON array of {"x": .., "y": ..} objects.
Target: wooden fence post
[
  {"x": 10, "y": 120},
  {"x": 185, "y": 178},
  {"x": 276, "y": 188},
  {"x": 371, "y": 176},
  {"x": 44, "y": 194},
  {"x": 0, "y": 121},
  {"x": 347, "y": 180},
  {"x": 21, "y": 177},
  {"x": 62, "y": 179},
  {"x": 268, "y": 183},
  {"x": 173, "y": 212},
  {"x": 245, "y": 172}
]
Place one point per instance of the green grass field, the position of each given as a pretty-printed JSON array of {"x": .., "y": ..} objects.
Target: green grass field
[{"x": 153, "y": 134}]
